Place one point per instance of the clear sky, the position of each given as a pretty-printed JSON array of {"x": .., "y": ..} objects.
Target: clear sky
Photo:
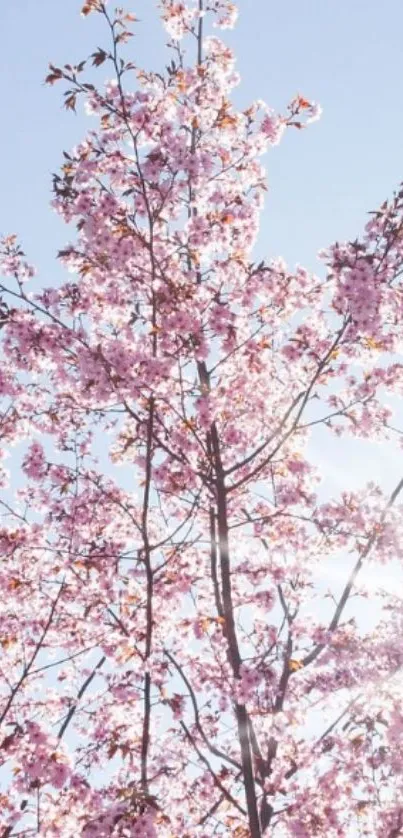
[{"x": 347, "y": 55}]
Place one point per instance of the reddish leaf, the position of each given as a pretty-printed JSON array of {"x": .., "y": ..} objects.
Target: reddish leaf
[
  {"x": 51, "y": 78},
  {"x": 123, "y": 37},
  {"x": 54, "y": 75},
  {"x": 70, "y": 102},
  {"x": 303, "y": 103},
  {"x": 90, "y": 6},
  {"x": 99, "y": 57}
]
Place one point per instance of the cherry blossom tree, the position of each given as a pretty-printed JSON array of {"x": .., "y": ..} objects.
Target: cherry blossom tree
[{"x": 172, "y": 664}]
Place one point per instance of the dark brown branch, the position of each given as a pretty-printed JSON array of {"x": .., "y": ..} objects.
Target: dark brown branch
[
  {"x": 230, "y": 633},
  {"x": 285, "y": 677},
  {"x": 145, "y": 740},
  {"x": 353, "y": 576},
  {"x": 80, "y": 694},
  {"x": 212, "y": 748},
  {"x": 228, "y": 796},
  {"x": 27, "y": 668},
  {"x": 213, "y": 563},
  {"x": 305, "y": 398},
  {"x": 215, "y": 806}
]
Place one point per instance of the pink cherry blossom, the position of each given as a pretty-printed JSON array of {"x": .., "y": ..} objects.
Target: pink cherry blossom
[{"x": 197, "y": 638}]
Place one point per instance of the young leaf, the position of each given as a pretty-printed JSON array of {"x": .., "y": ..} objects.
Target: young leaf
[{"x": 99, "y": 57}]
